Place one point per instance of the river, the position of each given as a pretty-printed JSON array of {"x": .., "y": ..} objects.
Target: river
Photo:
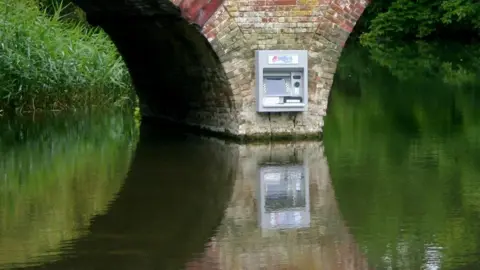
[{"x": 394, "y": 184}]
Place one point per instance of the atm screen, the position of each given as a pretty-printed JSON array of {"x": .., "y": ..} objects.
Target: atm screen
[{"x": 275, "y": 87}]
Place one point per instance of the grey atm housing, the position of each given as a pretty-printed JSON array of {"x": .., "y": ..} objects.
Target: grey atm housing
[
  {"x": 284, "y": 196},
  {"x": 281, "y": 80}
]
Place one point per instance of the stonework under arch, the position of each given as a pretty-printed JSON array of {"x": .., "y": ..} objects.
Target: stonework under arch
[{"x": 239, "y": 27}]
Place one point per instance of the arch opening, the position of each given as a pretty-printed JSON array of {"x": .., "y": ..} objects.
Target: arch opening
[{"x": 175, "y": 71}]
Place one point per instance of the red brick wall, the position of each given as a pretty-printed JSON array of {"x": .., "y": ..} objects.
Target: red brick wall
[{"x": 290, "y": 16}]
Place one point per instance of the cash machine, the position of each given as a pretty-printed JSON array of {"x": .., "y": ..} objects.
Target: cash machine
[{"x": 281, "y": 80}]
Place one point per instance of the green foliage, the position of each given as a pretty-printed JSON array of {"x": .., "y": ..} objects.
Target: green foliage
[
  {"x": 461, "y": 11},
  {"x": 67, "y": 10},
  {"x": 55, "y": 174},
  {"x": 406, "y": 19},
  {"x": 51, "y": 65},
  {"x": 403, "y": 154},
  {"x": 450, "y": 62}
]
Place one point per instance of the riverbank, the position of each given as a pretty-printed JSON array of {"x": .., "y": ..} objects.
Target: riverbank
[{"x": 49, "y": 64}]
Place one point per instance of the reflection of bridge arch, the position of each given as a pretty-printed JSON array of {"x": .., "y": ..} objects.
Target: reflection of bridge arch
[
  {"x": 241, "y": 244},
  {"x": 164, "y": 213}
]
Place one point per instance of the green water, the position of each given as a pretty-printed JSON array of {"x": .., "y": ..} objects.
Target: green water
[
  {"x": 403, "y": 144},
  {"x": 394, "y": 185},
  {"x": 57, "y": 172}
]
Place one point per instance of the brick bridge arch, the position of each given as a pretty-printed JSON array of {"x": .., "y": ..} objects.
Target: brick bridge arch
[
  {"x": 208, "y": 80},
  {"x": 239, "y": 27}
]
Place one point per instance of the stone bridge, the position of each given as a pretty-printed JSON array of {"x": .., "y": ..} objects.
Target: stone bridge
[
  {"x": 239, "y": 27},
  {"x": 182, "y": 77}
]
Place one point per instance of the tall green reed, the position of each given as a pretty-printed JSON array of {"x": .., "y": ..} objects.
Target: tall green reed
[{"x": 47, "y": 63}]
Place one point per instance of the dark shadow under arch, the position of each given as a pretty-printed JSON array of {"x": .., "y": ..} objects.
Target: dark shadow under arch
[
  {"x": 175, "y": 71},
  {"x": 164, "y": 214}
]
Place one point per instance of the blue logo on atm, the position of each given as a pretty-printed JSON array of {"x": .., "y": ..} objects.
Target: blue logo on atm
[{"x": 284, "y": 58}]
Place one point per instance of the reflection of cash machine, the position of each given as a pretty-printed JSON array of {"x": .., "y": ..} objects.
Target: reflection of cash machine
[
  {"x": 284, "y": 197},
  {"x": 281, "y": 80}
]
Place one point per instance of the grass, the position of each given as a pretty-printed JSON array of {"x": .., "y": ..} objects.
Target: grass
[{"x": 47, "y": 63}]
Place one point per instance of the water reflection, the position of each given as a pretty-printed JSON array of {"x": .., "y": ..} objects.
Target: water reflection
[
  {"x": 284, "y": 198},
  {"x": 168, "y": 208},
  {"x": 290, "y": 182},
  {"x": 403, "y": 141},
  {"x": 187, "y": 202},
  {"x": 55, "y": 174}
]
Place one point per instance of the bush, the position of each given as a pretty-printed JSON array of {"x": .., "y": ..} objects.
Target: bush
[
  {"x": 48, "y": 64},
  {"x": 426, "y": 20}
]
